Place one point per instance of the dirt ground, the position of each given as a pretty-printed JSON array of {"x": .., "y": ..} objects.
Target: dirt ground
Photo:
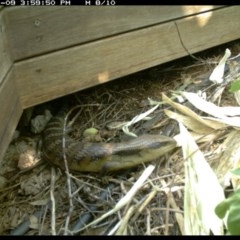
[{"x": 34, "y": 195}]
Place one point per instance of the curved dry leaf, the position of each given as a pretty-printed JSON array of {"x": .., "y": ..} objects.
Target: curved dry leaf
[
  {"x": 187, "y": 111},
  {"x": 189, "y": 122},
  {"x": 229, "y": 159},
  {"x": 202, "y": 190},
  {"x": 212, "y": 109},
  {"x": 137, "y": 119},
  {"x": 233, "y": 122},
  {"x": 218, "y": 72}
]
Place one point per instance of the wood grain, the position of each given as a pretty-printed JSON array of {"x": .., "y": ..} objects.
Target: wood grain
[
  {"x": 11, "y": 111},
  {"x": 9, "y": 100},
  {"x": 5, "y": 62},
  {"x": 210, "y": 29},
  {"x": 36, "y": 30},
  {"x": 53, "y": 75}
]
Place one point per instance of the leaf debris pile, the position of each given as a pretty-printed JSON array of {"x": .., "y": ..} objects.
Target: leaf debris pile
[{"x": 170, "y": 196}]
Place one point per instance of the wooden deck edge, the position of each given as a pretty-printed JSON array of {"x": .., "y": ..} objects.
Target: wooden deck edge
[
  {"x": 9, "y": 98},
  {"x": 45, "y": 31},
  {"x": 11, "y": 111},
  {"x": 53, "y": 75},
  {"x": 5, "y": 62}
]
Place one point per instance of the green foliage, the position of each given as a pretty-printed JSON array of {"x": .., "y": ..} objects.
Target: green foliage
[
  {"x": 235, "y": 86},
  {"x": 231, "y": 206},
  {"x": 236, "y": 172}
]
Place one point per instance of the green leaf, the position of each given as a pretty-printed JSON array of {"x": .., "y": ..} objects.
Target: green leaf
[
  {"x": 222, "y": 208},
  {"x": 232, "y": 206},
  {"x": 235, "y": 86},
  {"x": 233, "y": 221},
  {"x": 236, "y": 172}
]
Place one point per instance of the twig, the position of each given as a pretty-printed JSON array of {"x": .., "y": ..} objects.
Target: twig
[
  {"x": 150, "y": 196},
  {"x": 44, "y": 216},
  {"x": 114, "y": 228},
  {"x": 171, "y": 202},
  {"x": 53, "y": 215},
  {"x": 124, "y": 222},
  {"x": 85, "y": 218},
  {"x": 164, "y": 184},
  {"x": 127, "y": 198},
  {"x": 148, "y": 223},
  {"x": 66, "y": 230},
  {"x": 178, "y": 214}
]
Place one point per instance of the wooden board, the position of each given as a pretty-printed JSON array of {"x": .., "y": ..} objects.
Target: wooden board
[
  {"x": 53, "y": 75},
  {"x": 37, "y": 30},
  {"x": 210, "y": 29},
  {"x": 9, "y": 100},
  {"x": 10, "y": 111},
  {"x": 5, "y": 62}
]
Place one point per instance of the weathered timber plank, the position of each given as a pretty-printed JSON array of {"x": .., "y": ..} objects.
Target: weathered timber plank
[
  {"x": 210, "y": 29},
  {"x": 11, "y": 111},
  {"x": 9, "y": 100},
  {"x": 53, "y": 75},
  {"x": 5, "y": 62},
  {"x": 37, "y": 30}
]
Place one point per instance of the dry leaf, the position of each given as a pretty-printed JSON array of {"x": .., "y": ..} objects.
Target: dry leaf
[
  {"x": 218, "y": 72},
  {"x": 202, "y": 190},
  {"x": 187, "y": 111},
  {"x": 33, "y": 222},
  {"x": 189, "y": 122},
  {"x": 229, "y": 159}
]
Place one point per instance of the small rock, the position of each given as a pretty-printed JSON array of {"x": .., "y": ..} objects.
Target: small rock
[
  {"x": 39, "y": 122},
  {"x": 27, "y": 159}
]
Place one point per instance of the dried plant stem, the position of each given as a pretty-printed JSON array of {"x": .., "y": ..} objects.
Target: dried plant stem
[
  {"x": 127, "y": 198},
  {"x": 150, "y": 196},
  {"x": 124, "y": 222},
  {"x": 66, "y": 229},
  {"x": 178, "y": 214},
  {"x": 53, "y": 215},
  {"x": 70, "y": 195}
]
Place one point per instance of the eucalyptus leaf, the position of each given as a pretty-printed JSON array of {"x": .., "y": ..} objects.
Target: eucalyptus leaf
[
  {"x": 222, "y": 208},
  {"x": 236, "y": 172},
  {"x": 233, "y": 221},
  {"x": 202, "y": 190},
  {"x": 235, "y": 86},
  {"x": 231, "y": 205},
  {"x": 218, "y": 72}
]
